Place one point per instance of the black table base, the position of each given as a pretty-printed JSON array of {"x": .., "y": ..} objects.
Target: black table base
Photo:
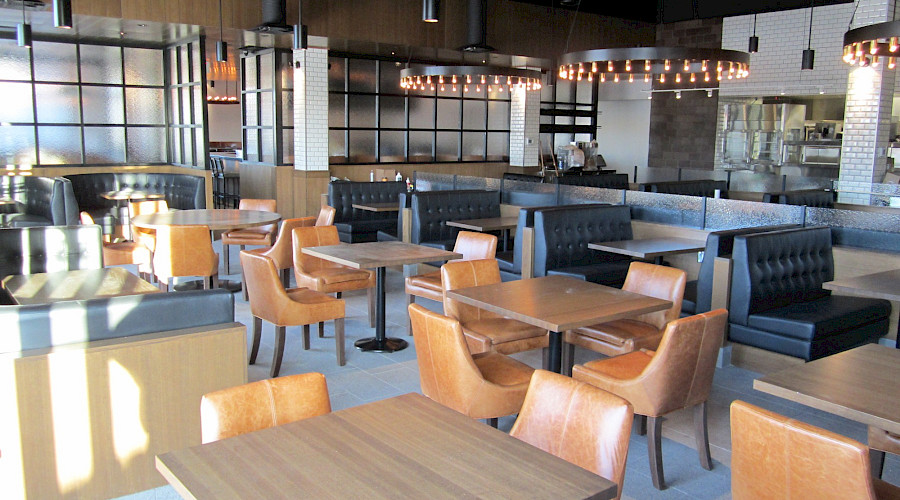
[
  {"x": 372, "y": 344},
  {"x": 380, "y": 343}
]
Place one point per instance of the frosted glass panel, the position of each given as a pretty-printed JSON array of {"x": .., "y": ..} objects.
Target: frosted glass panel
[
  {"x": 266, "y": 71},
  {"x": 362, "y": 75},
  {"x": 143, "y": 66},
  {"x": 421, "y": 113},
  {"x": 389, "y": 79},
  {"x": 175, "y": 102},
  {"x": 498, "y": 115},
  {"x": 199, "y": 105},
  {"x": 447, "y": 146},
  {"x": 391, "y": 146},
  {"x": 448, "y": 114},
  {"x": 584, "y": 92},
  {"x": 200, "y": 148},
  {"x": 287, "y": 145},
  {"x": 420, "y": 146},
  {"x": 251, "y": 103},
  {"x": 336, "y": 73},
  {"x": 473, "y": 115},
  {"x": 104, "y": 145},
  {"x": 55, "y": 62},
  {"x": 196, "y": 59},
  {"x": 101, "y": 64},
  {"x": 267, "y": 141},
  {"x": 59, "y": 145},
  {"x": 564, "y": 91},
  {"x": 265, "y": 107},
  {"x": 498, "y": 145},
  {"x": 336, "y": 144},
  {"x": 103, "y": 104},
  {"x": 362, "y": 146},
  {"x": 16, "y": 102},
  {"x": 287, "y": 108},
  {"x": 14, "y": 63},
  {"x": 473, "y": 146},
  {"x": 186, "y": 105},
  {"x": 250, "y": 73},
  {"x": 173, "y": 65},
  {"x": 185, "y": 64},
  {"x": 17, "y": 145},
  {"x": 146, "y": 144},
  {"x": 144, "y": 106},
  {"x": 393, "y": 112},
  {"x": 57, "y": 103},
  {"x": 336, "y": 110},
  {"x": 251, "y": 144},
  {"x": 362, "y": 111}
]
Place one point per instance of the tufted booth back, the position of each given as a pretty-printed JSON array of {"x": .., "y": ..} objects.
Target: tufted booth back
[
  {"x": 183, "y": 192},
  {"x": 343, "y": 194},
  {"x": 818, "y": 198},
  {"x": 432, "y": 209},
  {"x": 774, "y": 269},
  {"x": 562, "y": 234},
  {"x": 689, "y": 188},
  {"x": 607, "y": 181},
  {"x": 526, "y": 219},
  {"x": 46, "y": 200},
  {"x": 29, "y": 250}
]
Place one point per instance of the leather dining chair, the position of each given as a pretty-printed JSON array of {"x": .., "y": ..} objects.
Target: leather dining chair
[
  {"x": 631, "y": 334},
  {"x": 269, "y": 301},
  {"x": 325, "y": 276},
  {"x": 488, "y": 385},
  {"x": 578, "y": 423},
  {"x": 324, "y": 218},
  {"x": 259, "y": 405},
  {"x": 257, "y": 235},
  {"x": 146, "y": 236},
  {"x": 881, "y": 442},
  {"x": 484, "y": 330},
  {"x": 185, "y": 251},
  {"x": 678, "y": 375},
  {"x": 472, "y": 246},
  {"x": 123, "y": 252},
  {"x": 775, "y": 457},
  {"x": 282, "y": 252}
]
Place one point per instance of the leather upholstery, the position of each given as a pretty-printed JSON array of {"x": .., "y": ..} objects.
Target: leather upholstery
[
  {"x": 393, "y": 233},
  {"x": 578, "y": 423},
  {"x": 818, "y": 198},
  {"x": 701, "y": 187},
  {"x": 562, "y": 234},
  {"x": 260, "y": 405},
  {"x": 323, "y": 275},
  {"x": 775, "y": 457},
  {"x": 282, "y": 252},
  {"x": 471, "y": 245},
  {"x": 46, "y": 201},
  {"x": 358, "y": 226},
  {"x": 142, "y": 235},
  {"x": 484, "y": 330},
  {"x": 511, "y": 263},
  {"x": 29, "y": 250},
  {"x": 487, "y": 385},
  {"x": 184, "y": 251},
  {"x": 121, "y": 252},
  {"x": 641, "y": 332},
  {"x": 605, "y": 181},
  {"x": 182, "y": 192},
  {"x": 326, "y": 216},
  {"x": 257, "y": 235},
  {"x": 432, "y": 209}
]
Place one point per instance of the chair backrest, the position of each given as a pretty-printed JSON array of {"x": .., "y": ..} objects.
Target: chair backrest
[
  {"x": 260, "y": 405},
  {"x": 147, "y": 207},
  {"x": 264, "y": 288},
  {"x": 314, "y": 236},
  {"x": 475, "y": 246},
  {"x": 264, "y": 205},
  {"x": 662, "y": 282},
  {"x": 775, "y": 457},
  {"x": 282, "y": 252},
  {"x": 45, "y": 249},
  {"x": 577, "y": 422},
  {"x": 86, "y": 218},
  {"x": 464, "y": 274},
  {"x": 562, "y": 235},
  {"x": 431, "y": 210},
  {"x": 184, "y": 251},
  {"x": 681, "y": 372},
  {"x": 447, "y": 373},
  {"x": 326, "y": 216}
]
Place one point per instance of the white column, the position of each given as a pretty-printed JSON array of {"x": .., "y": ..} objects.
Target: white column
[
  {"x": 524, "y": 127},
  {"x": 311, "y": 109}
]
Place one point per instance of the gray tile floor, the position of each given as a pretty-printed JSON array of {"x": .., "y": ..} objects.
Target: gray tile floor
[{"x": 372, "y": 376}]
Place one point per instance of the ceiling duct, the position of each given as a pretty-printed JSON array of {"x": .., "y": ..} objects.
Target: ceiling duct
[
  {"x": 274, "y": 18},
  {"x": 476, "y": 28}
]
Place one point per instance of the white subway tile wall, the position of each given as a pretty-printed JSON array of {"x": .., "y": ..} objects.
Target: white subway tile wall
[
  {"x": 311, "y": 109},
  {"x": 524, "y": 124}
]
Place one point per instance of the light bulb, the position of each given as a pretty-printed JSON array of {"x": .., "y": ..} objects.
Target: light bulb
[
  {"x": 647, "y": 65},
  {"x": 627, "y": 64},
  {"x": 616, "y": 78},
  {"x": 693, "y": 78},
  {"x": 602, "y": 77},
  {"x": 687, "y": 65},
  {"x": 610, "y": 67},
  {"x": 631, "y": 78},
  {"x": 667, "y": 66},
  {"x": 594, "y": 67},
  {"x": 678, "y": 78}
]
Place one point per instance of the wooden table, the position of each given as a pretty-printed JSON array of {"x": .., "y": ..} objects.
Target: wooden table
[
  {"x": 378, "y": 207},
  {"x": 378, "y": 255},
  {"x": 42, "y": 288},
  {"x": 439, "y": 453},
  {"x": 558, "y": 303},
  {"x": 859, "y": 384},
  {"x": 651, "y": 248},
  {"x": 503, "y": 224},
  {"x": 122, "y": 197}
]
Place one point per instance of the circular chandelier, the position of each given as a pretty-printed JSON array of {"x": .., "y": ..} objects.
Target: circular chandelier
[
  {"x": 453, "y": 77},
  {"x": 663, "y": 64},
  {"x": 870, "y": 45}
]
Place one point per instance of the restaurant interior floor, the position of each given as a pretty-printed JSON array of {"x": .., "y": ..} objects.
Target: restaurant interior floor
[{"x": 371, "y": 376}]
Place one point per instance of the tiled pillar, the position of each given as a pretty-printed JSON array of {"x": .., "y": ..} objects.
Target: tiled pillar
[
  {"x": 524, "y": 127},
  {"x": 867, "y": 115},
  {"x": 311, "y": 109}
]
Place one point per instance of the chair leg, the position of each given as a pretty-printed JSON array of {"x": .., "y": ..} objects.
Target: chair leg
[
  {"x": 257, "y": 331},
  {"x": 226, "y": 254},
  {"x": 701, "y": 434},
  {"x": 163, "y": 285},
  {"x": 305, "y": 337},
  {"x": 876, "y": 458},
  {"x": 321, "y": 329},
  {"x": 371, "y": 294},
  {"x": 244, "y": 287},
  {"x": 568, "y": 358},
  {"x": 286, "y": 278},
  {"x": 339, "y": 341},
  {"x": 493, "y": 422},
  {"x": 654, "y": 451},
  {"x": 215, "y": 280},
  {"x": 337, "y": 295},
  {"x": 642, "y": 425},
  {"x": 279, "y": 351},
  {"x": 410, "y": 299}
]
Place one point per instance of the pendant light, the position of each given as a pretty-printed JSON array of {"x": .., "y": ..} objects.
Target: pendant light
[
  {"x": 870, "y": 45},
  {"x": 430, "y": 78},
  {"x": 431, "y": 10},
  {"x": 753, "y": 46},
  {"x": 301, "y": 37},
  {"x": 643, "y": 64},
  {"x": 62, "y": 13},
  {"x": 809, "y": 55},
  {"x": 221, "y": 46},
  {"x": 23, "y": 31}
]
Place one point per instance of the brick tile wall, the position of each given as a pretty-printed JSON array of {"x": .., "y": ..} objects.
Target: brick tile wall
[{"x": 311, "y": 109}]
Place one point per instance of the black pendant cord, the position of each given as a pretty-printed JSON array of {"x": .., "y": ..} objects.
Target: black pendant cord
[
  {"x": 754, "y": 24},
  {"x": 221, "y": 30},
  {"x": 809, "y": 39}
]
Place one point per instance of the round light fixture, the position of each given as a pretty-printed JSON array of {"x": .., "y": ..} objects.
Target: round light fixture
[
  {"x": 873, "y": 44},
  {"x": 655, "y": 63},
  {"x": 453, "y": 77}
]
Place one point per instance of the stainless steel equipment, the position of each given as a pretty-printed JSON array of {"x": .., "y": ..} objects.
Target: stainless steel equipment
[{"x": 755, "y": 133}]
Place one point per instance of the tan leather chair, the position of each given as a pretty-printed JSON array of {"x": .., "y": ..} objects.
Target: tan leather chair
[
  {"x": 144, "y": 236},
  {"x": 326, "y": 276},
  {"x": 472, "y": 246},
  {"x": 487, "y": 385},
  {"x": 631, "y": 334},
  {"x": 325, "y": 217},
  {"x": 257, "y": 235},
  {"x": 185, "y": 251},
  {"x": 578, "y": 423},
  {"x": 678, "y": 375},
  {"x": 260, "y": 405},
  {"x": 122, "y": 252},
  {"x": 881, "y": 441},
  {"x": 297, "y": 306},
  {"x": 484, "y": 330},
  {"x": 775, "y": 457}
]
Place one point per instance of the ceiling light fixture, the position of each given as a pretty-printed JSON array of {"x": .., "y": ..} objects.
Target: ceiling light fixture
[
  {"x": 301, "y": 37},
  {"x": 62, "y": 13},
  {"x": 431, "y": 11},
  {"x": 870, "y": 45},
  {"x": 432, "y": 77},
  {"x": 23, "y": 31},
  {"x": 753, "y": 45},
  {"x": 809, "y": 55},
  {"x": 221, "y": 46},
  {"x": 655, "y": 63}
]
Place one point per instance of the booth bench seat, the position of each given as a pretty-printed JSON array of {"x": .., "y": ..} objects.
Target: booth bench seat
[{"x": 359, "y": 226}]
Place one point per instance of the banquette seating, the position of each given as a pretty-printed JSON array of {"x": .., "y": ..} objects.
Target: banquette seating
[
  {"x": 431, "y": 210},
  {"x": 511, "y": 261},
  {"x": 358, "y": 226},
  {"x": 778, "y": 303},
  {"x": 819, "y": 198},
  {"x": 29, "y": 250},
  {"x": 704, "y": 187},
  {"x": 44, "y": 201}
]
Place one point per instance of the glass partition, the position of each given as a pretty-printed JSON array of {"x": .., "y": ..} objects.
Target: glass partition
[
  {"x": 869, "y": 229},
  {"x": 187, "y": 104},
  {"x": 733, "y": 214},
  {"x": 569, "y": 195},
  {"x": 267, "y": 101},
  {"x": 666, "y": 208}
]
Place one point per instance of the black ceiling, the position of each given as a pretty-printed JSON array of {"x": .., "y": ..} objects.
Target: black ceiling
[{"x": 670, "y": 11}]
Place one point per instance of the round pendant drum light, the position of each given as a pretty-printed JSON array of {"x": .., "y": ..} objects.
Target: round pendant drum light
[
  {"x": 662, "y": 64},
  {"x": 453, "y": 77},
  {"x": 872, "y": 45},
  {"x": 809, "y": 55},
  {"x": 753, "y": 44}
]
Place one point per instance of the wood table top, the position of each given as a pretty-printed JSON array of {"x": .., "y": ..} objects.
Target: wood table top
[
  {"x": 859, "y": 384},
  {"x": 378, "y": 207},
  {"x": 650, "y": 248},
  {"x": 127, "y": 194},
  {"x": 215, "y": 219},
  {"x": 380, "y": 254},
  {"x": 883, "y": 285},
  {"x": 488, "y": 224},
  {"x": 439, "y": 453},
  {"x": 42, "y": 288},
  {"x": 558, "y": 303}
]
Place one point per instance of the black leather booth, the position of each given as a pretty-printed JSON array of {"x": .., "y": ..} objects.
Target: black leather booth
[
  {"x": 431, "y": 210},
  {"x": 607, "y": 181},
  {"x": 778, "y": 303},
  {"x": 818, "y": 198},
  {"x": 45, "y": 249},
  {"x": 510, "y": 262},
  {"x": 44, "y": 201},
  {"x": 403, "y": 200},
  {"x": 705, "y": 188},
  {"x": 562, "y": 234},
  {"x": 355, "y": 225}
]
